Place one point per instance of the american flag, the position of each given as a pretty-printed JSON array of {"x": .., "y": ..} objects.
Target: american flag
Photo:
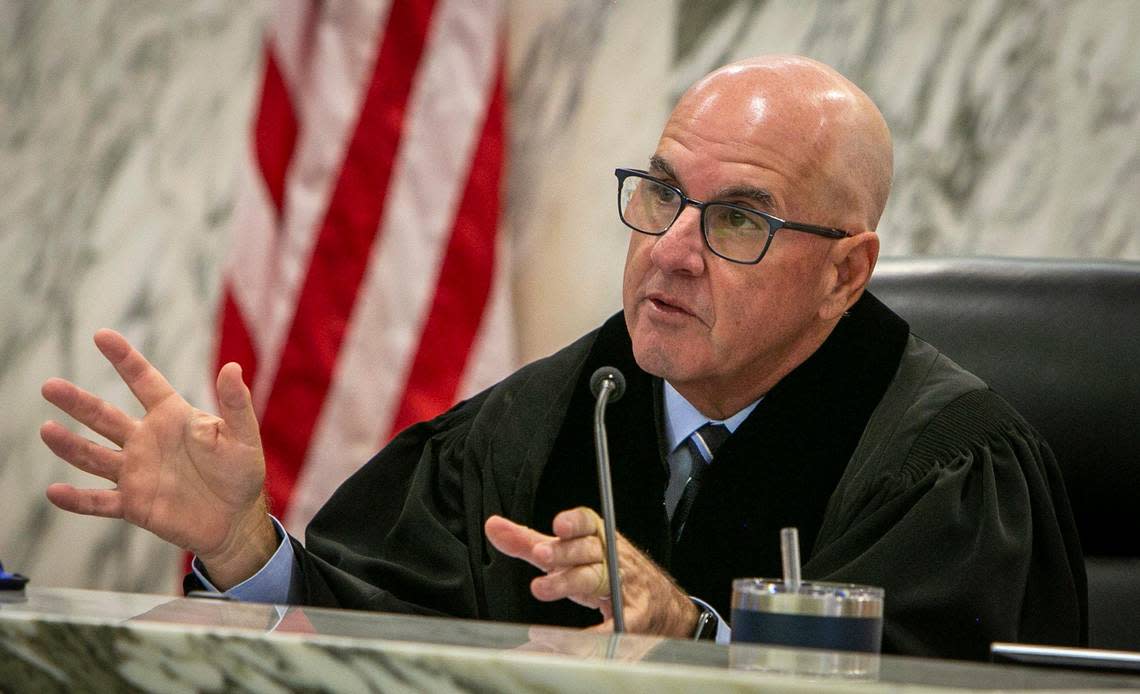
[{"x": 365, "y": 288}]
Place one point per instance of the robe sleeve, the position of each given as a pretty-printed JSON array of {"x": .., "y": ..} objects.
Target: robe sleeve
[
  {"x": 397, "y": 536},
  {"x": 969, "y": 532},
  {"x": 405, "y": 532}
]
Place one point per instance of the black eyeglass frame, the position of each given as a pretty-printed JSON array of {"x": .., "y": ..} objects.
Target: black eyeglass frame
[{"x": 774, "y": 222}]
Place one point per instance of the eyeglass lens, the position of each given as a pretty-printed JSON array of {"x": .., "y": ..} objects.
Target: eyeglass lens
[{"x": 650, "y": 207}]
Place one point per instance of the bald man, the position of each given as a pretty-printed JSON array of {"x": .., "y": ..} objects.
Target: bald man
[{"x": 765, "y": 388}]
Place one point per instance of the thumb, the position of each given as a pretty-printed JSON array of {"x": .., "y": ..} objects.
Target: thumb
[{"x": 236, "y": 404}]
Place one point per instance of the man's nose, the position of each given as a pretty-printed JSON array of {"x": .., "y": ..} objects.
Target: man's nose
[{"x": 681, "y": 249}]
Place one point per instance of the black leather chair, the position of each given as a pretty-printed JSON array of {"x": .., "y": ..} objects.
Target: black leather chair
[{"x": 1060, "y": 340}]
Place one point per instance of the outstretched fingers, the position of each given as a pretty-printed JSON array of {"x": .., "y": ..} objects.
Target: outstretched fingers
[
  {"x": 574, "y": 565},
  {"x": 572, "y": 560},
  {"x": 107, "y": 503},
  {"x": 145, "y": 381},
  {"x": 97, "y": 414},
  {"x": 80, "y": 452}
]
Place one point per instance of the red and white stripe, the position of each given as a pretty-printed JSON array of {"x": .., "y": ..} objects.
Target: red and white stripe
[{"x": 363, "y": 291}]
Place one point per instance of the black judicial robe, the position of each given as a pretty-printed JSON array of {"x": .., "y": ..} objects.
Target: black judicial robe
[{"x": 899, "y": 468}]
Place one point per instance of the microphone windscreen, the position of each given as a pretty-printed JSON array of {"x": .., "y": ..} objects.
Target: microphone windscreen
[{"x": 608, "y": 373}]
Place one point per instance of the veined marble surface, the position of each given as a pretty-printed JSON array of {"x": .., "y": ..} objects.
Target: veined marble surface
[
  {"x": 1017, "y": 131},
  {"x": 121, "y": 125},
  {"x": 74, "y": 640}
]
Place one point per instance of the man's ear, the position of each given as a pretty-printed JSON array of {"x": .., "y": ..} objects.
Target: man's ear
[{"x": 853, "y": 259}]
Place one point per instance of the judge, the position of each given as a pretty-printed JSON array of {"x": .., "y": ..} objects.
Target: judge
[{"x": 766, "y": 388}]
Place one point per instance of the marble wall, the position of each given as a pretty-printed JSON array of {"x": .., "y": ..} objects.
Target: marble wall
[
  {"x": 121, "y": 124},
  {"x": 1016, "y": 124}
]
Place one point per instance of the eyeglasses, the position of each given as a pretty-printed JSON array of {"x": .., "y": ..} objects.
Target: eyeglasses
[{"x": 731, "y": 231}]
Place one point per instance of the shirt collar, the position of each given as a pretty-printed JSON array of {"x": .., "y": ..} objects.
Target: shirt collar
[{"x": 682, "y": 419}]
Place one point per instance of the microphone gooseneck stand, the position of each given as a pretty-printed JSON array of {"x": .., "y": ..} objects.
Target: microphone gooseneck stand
[{"x": 607, "y": 384}]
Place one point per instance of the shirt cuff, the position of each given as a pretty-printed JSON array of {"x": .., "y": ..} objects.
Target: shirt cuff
[
  {"x": 273, "y": 583},
  {"x": 723, "y": 631}
]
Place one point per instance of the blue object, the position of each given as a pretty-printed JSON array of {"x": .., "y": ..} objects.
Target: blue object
[
  {"x": 11, "y": 581},
  {"x": 808, "y": 631}
]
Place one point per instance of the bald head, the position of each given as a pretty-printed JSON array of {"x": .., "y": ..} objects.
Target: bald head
[{"x": 809, "y": 119}]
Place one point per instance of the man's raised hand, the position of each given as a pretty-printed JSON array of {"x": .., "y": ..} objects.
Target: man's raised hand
[
  {"x": 573, "y": 559},
  {"x": 190, "y": 477}
]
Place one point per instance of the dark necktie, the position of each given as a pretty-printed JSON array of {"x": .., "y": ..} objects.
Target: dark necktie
[{"x": 703, "y": 445}]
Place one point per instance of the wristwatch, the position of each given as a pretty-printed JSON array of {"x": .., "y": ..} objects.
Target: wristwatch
[{"x": 707, "y": 624}]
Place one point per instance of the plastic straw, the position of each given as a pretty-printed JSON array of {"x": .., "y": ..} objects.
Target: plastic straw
[{"x": 790, "y": 554}]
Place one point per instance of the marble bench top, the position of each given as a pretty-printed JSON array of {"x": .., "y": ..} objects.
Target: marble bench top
[{"x": 78, "y": 640}]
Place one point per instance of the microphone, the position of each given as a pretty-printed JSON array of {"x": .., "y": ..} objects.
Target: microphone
[
  {"x": 608, "y": 375},
  {"x": 608, "y": 385}
]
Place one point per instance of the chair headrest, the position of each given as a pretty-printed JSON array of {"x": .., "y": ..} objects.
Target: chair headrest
[{"x": 1058, "y": 339}]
